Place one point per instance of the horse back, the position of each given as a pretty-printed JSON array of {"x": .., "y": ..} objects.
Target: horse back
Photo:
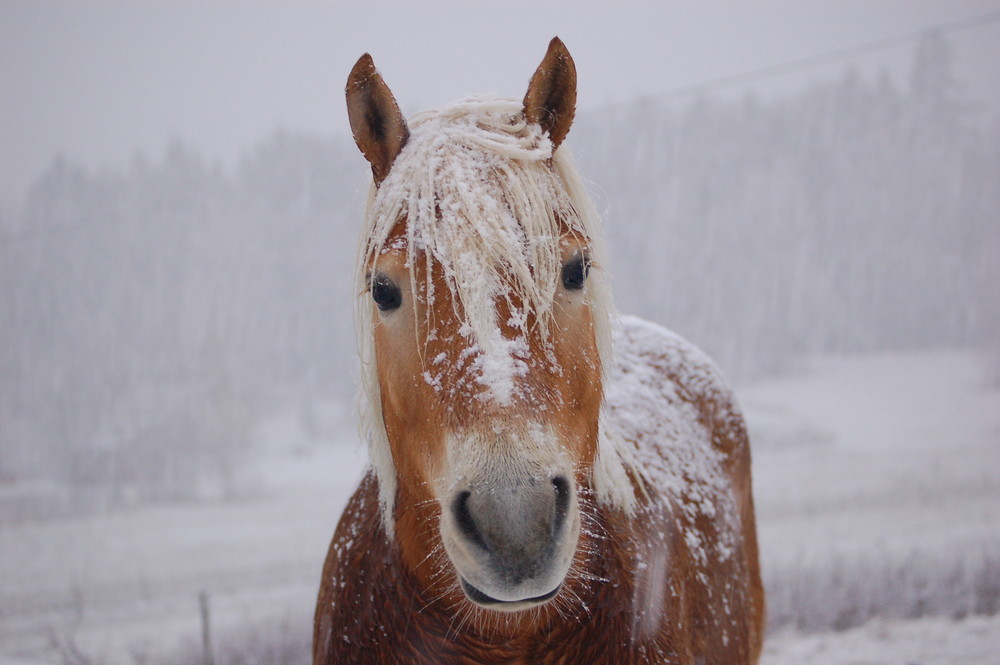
[{"x": 681, "y": 434}]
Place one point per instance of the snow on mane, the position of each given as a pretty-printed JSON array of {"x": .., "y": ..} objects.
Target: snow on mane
[{"x": 484, "y": 198}]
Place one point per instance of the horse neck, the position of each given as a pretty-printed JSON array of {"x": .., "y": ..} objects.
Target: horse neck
[{"x": 373, "y": 608}]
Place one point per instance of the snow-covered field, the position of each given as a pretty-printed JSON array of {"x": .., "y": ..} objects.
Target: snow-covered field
[{"x": 878, "y": 494}]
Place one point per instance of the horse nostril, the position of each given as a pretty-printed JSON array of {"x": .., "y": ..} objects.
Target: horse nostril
[
  {"x": 463, "y": 518},
  {"x": 561, "y": 485}
]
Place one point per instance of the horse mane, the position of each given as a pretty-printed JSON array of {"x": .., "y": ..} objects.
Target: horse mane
[{"x": 485, "y": 198}]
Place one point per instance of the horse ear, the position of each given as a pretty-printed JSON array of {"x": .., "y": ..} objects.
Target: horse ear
[
  {"x": 379, "y": 128},
  {"x": 551, "y": 97}
]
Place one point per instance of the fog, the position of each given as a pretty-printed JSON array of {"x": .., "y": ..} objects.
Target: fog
[
  {"x": 182, "y": 199},
  {"x": 156, "y": 306},
  {"x": 99, "y": 81}
]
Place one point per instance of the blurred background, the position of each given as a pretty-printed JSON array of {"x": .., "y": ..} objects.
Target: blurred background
[{"x": 808, "y": 190}]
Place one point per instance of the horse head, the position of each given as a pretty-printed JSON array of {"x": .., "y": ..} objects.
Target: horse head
[{"x": 485, "y": 331}]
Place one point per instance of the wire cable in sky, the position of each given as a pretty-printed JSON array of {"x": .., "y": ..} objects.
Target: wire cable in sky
[{"x": 770, "y": 71}]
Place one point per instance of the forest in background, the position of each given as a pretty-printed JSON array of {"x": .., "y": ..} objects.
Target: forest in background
[{"x": 149, "y": 317}]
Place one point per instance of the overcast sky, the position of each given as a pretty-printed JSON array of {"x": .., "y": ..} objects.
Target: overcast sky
[{"x": 98, "y": 81}]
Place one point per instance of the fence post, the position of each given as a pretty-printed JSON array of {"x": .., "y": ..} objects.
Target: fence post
[{"x": 206, "y": 633}]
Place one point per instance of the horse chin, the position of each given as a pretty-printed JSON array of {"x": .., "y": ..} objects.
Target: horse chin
[{"x": 486, "y": 601}]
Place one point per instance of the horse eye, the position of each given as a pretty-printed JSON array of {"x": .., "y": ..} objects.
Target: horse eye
[
  {"x": 574, "y": 273},
  {"x": 385, "y": 293}
]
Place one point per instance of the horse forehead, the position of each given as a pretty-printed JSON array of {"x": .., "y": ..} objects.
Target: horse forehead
[
  {"x": 499, "y": 304},
  {"x": 505, "y": 319},
  {"x": 488, "y": 353}
]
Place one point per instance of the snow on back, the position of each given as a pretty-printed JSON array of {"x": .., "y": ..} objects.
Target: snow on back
[
  {"x": 651, "y": 412},
  {"x": 486, "y": 201},
  {"x": 672, "y": 421}
]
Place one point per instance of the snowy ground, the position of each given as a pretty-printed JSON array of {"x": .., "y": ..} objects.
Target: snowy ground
[
  {"x": 878, "y": 494},
  {"x": 927, "y": 641}
]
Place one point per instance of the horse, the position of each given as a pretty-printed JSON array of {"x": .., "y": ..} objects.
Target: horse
[{"x": 549, "y": 482}]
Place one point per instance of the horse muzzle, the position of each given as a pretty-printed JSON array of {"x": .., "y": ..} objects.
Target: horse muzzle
[{"x": 512, "y": 541}]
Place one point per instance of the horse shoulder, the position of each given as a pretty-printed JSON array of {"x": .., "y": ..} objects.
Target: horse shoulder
[{"x": 357, "y": 573}]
